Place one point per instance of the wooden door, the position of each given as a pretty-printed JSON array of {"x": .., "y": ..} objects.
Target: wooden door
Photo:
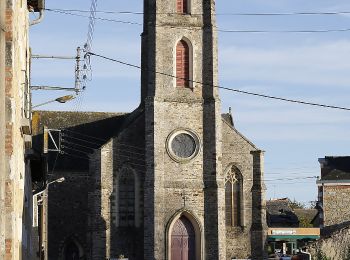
[{"x": 183, "y": 240}]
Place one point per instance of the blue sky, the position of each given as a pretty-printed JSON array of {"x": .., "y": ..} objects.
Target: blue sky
[{"x": 308, "y": 66}]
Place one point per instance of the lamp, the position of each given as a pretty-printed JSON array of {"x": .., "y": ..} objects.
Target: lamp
[
  {"x": 61, "y": 100},
  {"x": 62, "y": 179}
]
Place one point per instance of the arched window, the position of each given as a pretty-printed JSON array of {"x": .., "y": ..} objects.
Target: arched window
[
  {"x": 233, "y": 193},
  {"x": 182, "y": 64},
  {"x": 126, "y": 199},
  {"x": 182, "y": 6}
]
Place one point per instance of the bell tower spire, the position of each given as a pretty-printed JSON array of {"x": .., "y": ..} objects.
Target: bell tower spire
[
  {"x": 179, "y": 40},
  {"x": 183, "y": 128}
]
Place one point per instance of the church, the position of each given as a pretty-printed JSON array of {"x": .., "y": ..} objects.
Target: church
[{"x": 171, "y": 180}]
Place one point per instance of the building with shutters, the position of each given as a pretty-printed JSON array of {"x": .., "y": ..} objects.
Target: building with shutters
[{"x": 173, "y": 179}]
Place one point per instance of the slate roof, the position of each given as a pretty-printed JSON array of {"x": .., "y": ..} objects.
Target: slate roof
[
  {"x": 280, "y": 214},
  {"x": 335, "y": 168},
  {"x": 82, "y": 132},
  {"x": 227, "y": 117},
  {"x": 306, "y": 213}
]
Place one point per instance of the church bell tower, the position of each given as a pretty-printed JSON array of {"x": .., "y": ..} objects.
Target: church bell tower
[{"x": 184, "y": 185}]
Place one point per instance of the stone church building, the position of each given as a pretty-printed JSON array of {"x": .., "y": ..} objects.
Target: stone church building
[{"x": 171, "y": 180}]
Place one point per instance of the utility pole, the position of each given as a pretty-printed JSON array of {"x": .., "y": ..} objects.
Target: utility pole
[{"x": 77, "y": 85}]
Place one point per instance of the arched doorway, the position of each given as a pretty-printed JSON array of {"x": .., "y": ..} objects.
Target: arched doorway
[
  {"x": 72, "y": 251},
  {"x": 183, "y": 240}
]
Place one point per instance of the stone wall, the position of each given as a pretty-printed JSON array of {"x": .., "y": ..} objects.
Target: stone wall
[
  {"x": 125, "y": 151},
  {"x": 237, "y": 151},
  {"x": 2, "y": 128},
  {"x": 196, "y": 186},
  {"x": 336, "y": 201},
  {"x": 334, "y": 247},
  {"x": 16, "y": 213},
  {"x": 68, "y": 213}
]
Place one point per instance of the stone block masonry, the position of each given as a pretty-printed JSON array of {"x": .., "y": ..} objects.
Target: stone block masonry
[
  {"x": 336, "y": 246},
  {"x": 336, "y": 201},
  {"x": 15, "y": 222}
]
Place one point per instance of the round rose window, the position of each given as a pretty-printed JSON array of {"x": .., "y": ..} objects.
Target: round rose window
[{"x": 182, "y": 145}]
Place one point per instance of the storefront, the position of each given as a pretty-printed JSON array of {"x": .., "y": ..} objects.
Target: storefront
[{"x": 287, "y": 241}]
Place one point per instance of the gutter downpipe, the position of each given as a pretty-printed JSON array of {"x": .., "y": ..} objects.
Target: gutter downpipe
[{"x": 36, "y": 21}]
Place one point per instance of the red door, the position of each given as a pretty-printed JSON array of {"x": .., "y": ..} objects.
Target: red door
[{"x": 183, "y": 242}]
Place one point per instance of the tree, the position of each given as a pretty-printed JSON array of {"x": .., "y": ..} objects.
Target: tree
[{"x": 297, "y": 205}]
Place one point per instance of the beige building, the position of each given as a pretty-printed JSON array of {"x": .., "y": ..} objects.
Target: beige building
[{"x": 15, "y": 134}]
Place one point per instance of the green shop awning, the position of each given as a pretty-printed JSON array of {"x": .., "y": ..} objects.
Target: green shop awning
[{"x": 292, "y": 237}]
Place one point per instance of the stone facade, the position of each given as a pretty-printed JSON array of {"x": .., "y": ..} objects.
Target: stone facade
[
  {"x": 91, "y": 187},
  {"x": 15, "y": 177},
  {"x": 333, "y": 247},
  {"x": 136, "y": 178},
  {"x": 336, "y": 200},
  {"x": 334, "y": 191}
]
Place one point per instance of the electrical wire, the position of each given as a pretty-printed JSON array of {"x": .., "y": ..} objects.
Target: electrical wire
[
  {"x": 119, "y": 155},
  {"x": 103, "y": 140},
  {"x": 291, "y": 179},
  {"x": 285, "y": 31},
  {"x": 75, "y": 150},
  {"x": 97, "y": 18},
  {"x": 75, "y": 156},
  {"x": 233, "y": 14},
  {"x": 54, "y": 164},
  {"x": 219, "y": 30},
  {"x": 288, "y": 173},
  {"x": 82, "y": 140},
  {"x": 79, "y": 133},
  {"x": 137, "y": 147},
  {"x": 297, "y": 182},
  {"x": 225, "y": 88},
  {"x": 143, "y": 165},
  {"x": 83, "y": 146}
]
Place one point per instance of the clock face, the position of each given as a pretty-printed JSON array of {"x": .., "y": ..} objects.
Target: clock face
[{"x": 182, "y": 145}]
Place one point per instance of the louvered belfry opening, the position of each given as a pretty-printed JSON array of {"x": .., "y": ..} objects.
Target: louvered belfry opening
[
  {"x": 182, "y": 64},
  {"x": 182, "y": 6}
]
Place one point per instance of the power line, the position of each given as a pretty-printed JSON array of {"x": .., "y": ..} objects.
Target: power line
[
  {"x": 80, "y": 145},
  {"x": 225, "y": 88},
  {"x": 223, "y": 14},
  {"x": 118, "y": 155},
  {"x": 79, "y": 133},
  {"x": 288, "y": 173},
  {"x": 285, "y": 31},
  {"x": 75, "y": 150},
  {"x": 82, "y": 140},
  {"x": 219, "y": 30},
  {"x": 75, "y": 156},
  {"x": 296, "y": 182},
  {"x": 292, "y": 179},
  {"x": 97, "y": 18},
  {"x": 141, "y": 150}
]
